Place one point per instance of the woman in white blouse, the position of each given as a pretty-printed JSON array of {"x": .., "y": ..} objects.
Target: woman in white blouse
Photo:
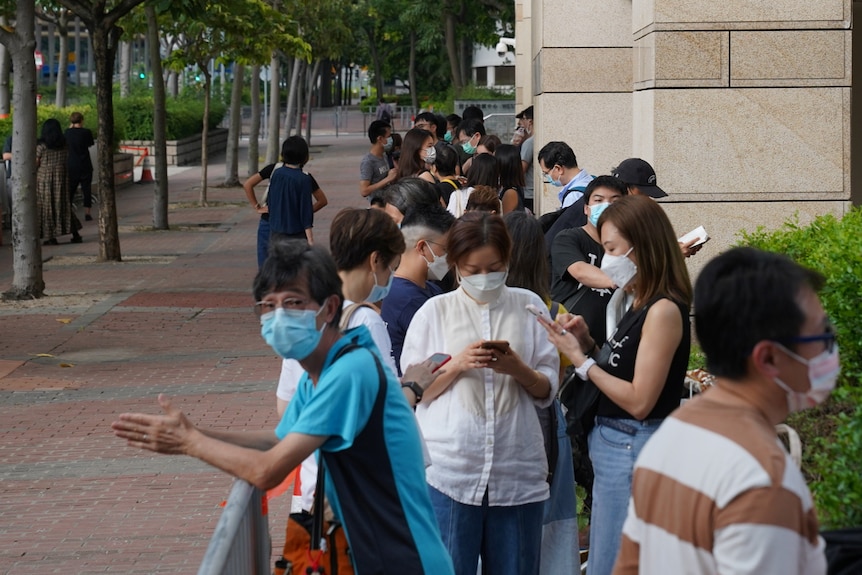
[{"x": 488, "y": 474}]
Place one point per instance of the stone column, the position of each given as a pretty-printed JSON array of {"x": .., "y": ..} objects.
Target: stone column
[{"x": 743, "y": 108}]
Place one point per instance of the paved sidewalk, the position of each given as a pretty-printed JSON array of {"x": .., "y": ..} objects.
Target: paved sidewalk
[{"x": 174, "y": 317}]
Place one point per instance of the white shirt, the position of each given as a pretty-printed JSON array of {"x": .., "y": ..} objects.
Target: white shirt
[
  {"x": 483, "y": 432},
  {"x": 288, "y": 382},
  {"x": 458, "y": 201}
]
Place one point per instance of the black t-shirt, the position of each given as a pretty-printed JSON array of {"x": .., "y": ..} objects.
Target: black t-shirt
[
  {"x": 576, "y": 245},
  {"x": 618, "y": 356},
  {"x": 78, "y": 141}
]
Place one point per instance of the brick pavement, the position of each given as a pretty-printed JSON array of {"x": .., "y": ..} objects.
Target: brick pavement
[{"x": 173, "y": 317}]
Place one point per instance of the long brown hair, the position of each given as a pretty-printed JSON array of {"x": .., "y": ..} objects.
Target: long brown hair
[
  {"x": 410, "y": 164},
  {"x": 661, "y": 267}
]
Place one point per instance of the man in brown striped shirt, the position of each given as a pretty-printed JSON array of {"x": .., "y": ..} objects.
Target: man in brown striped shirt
[{"x": 714, "y": 491}]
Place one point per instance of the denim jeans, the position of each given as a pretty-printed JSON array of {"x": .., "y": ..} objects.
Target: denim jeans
[
  {"x": 262, "y": 241},
  {"x": 614, "y": 447},
  {"x": 508, "y": 538}
]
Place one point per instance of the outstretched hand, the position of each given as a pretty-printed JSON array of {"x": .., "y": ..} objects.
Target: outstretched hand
[
  {"x": 570, "y": 334},
  {"x": 169, "y": 433}
]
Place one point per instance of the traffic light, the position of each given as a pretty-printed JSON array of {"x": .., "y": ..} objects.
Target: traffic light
[{"x": 142, "y": 75}]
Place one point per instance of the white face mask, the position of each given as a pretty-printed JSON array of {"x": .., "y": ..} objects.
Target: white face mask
[
  {"x": 620, "y": 269},
  {"x": 484, "y": 288},
  {"x": 438, "y": 267},
  {"x": 430, "y": 155},
  {"x": 823, "y": 371}
]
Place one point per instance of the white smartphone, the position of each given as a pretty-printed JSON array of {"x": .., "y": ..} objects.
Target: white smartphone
[
  {"x": 698, "y": 232},
  {"x": 536, "y": 310}
]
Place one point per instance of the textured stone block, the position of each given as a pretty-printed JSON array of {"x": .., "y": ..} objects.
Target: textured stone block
[
  {"x": 586, "y": 70},
  {"x": 575, "y": 24},
  {"x": 681, "y": 60},
  {"x": 798, "y": 57}
]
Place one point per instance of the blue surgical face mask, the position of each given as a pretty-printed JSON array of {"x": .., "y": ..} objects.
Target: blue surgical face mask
[
  {"x": 378, "y": 292},
  {"x": 549, "y": 180},
  {"x": 449, "y": 136},
  {"x": 468, "y": 148},
  {"x": 596, "y": 211},
  {"x": 387, "y": 147},
  {"x": 292, "y": 334}
]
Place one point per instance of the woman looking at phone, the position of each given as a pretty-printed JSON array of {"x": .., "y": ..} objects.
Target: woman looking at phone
[
  {"x": 488, "y": 474},
  {"x": 640, "y": 369}
]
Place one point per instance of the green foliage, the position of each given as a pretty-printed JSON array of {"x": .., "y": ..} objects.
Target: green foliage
[
  {"x": 832, "y": 433},
  {"x": 184, "y": 116}
]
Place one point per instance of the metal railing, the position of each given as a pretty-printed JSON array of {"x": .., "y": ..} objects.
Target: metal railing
[{"x": 240, "y": 544}]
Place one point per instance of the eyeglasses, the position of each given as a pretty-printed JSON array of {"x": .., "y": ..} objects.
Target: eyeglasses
[
  {"x": 828, "y": 338},
  {"x": 287, "y": 304}
]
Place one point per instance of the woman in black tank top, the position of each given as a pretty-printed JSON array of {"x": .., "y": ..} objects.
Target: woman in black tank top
[{"x": 639, "y": 371}]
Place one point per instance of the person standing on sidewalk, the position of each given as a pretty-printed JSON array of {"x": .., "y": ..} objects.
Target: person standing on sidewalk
[
  {"x": 80, "y": 166},
  {"x": 261, "y": 207},
  {"x": 52, "y": 187},
  {"x": 347, "y": 407}
]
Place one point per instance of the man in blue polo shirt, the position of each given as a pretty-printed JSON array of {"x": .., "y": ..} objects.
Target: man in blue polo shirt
[{"x": 347, "y": 407}]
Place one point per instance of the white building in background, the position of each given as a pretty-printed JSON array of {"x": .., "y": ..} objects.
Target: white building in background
[{"x": 495, "y": 67}]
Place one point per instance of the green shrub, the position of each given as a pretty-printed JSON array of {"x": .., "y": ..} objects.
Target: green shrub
[{"x": 831, "y": 433}]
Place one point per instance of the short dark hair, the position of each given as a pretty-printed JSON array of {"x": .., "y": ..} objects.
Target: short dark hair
[
  {"x": 528, "y": 267},
  {"x": 376, "y": 198},
  {"x": 470, "y": 127},
  {"x": 484, "y": 171},
  {"x": 440, "y": 120},
  {"x": 76, "y": 118},
  {"x": 454, "y": 120},
  {"x": 435, "y": 120},
  {"x": 294, "y": 150},
  {"x": 411, "y": 193},
  {"x": 435, "y": 218},
  {"x": 377, "y": 129},
  {"x": 291, "y": 262},
  {"x": 474, "y": 230},
  {"x": 745, "y": 296},
  {"x": 561, "y": 153},
  {"x": 447, "y": 159},
  {"x": 473, "y": 113},
  {"x": 609, "y": 182},
  {"x": 357, "y": 233}
]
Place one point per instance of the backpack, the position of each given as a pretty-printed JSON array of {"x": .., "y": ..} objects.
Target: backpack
[
  {"x": 549, "y": 219},
  {"x": 385, "y": 113}
]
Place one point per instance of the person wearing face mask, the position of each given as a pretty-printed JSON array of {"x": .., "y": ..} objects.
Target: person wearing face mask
[
  {"x": 640, "y": 368},
  {"x": 577, "y": 280},
  {"x": 470, "y": 132},
  {"x": 560, "y": 169},
  {"x": 348, "y": 408},
  {"x": 489, "y": 472},
  {"x": 424, "y": 233},
  {"x": 417, "y": 148},
  {"x": 527, "y": 146},
  {"x": 744, "y": 504},
  {"x": 374, "y": 171}
]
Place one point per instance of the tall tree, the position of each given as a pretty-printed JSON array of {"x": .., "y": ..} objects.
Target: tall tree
[
  {"x": 27, "y": 281},
  {"x": 254, "y": 130},
  {"x": 50, "y": 11},
  {"x": 231, "y": 177},
  {"x": 160, "y": 191},
  {"x": 101, "y": 18}
]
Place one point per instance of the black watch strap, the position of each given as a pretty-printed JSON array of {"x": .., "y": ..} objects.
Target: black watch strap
[{"x": 415, "y": 388}]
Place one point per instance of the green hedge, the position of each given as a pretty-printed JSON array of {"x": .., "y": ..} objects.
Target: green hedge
[{"x": 832, "y": 433}]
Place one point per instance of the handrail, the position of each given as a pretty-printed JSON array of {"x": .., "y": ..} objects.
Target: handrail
[{"x": 240, "y": 543}]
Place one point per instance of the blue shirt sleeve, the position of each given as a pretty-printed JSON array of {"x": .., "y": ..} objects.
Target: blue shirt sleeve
[{"x": 339, "y": 406}]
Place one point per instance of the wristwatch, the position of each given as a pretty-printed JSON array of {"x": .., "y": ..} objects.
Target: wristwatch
[
  {"x": 415, "y": 388},
  {"x": 582, "y": 369}
]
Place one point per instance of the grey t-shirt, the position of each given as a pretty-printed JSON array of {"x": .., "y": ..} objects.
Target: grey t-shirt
[
  {"x": 527, "y": 156},
  {"x": 373, "y": 168}
]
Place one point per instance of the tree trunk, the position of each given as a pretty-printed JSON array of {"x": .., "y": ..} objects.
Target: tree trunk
[
  {"x": 205, "y": 133},
  {"x": 452, "y": 53},
  {"x": 27, "y": 280},
  {"x": 173, "y": 84},
  {"x": 51, "y": 53},
  {"x": 125, "y": 69},
  {"x": 378, "y": 66},
  {"x": 273, "y": 148},
  {"x": 254, "y": 135},
  {"x": 303, "y": 70},
  {"x": 312, "y": 80},
  {"x": 466, "y": 51},
  {"x": 77, "y": 51},
  {"x": 5, "y": 72},
  {"x": 231, "y": 177},
  {"x": 411, "y": 72},
  {"x": 63, "y": 68},
  {"x": 291, "y": 96},
  {"x": 104, "y": 53},
  {"x": 160, "y": 191}
]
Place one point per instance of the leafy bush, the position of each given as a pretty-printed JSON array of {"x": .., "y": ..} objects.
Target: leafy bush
[{"x": 831, "y": 433}]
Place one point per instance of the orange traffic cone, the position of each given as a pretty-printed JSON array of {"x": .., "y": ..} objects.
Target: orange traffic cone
[{"x": 146, "y": 173}]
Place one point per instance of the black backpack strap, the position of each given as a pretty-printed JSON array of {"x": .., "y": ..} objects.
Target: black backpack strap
[{"x": 555, "y": 309}]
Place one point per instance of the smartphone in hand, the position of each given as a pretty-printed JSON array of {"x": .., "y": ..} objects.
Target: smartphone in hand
[
  {"x": 537, "y": 311},
  {"x": 500, "y": 345},
  {"x": 438, "y": 360}
]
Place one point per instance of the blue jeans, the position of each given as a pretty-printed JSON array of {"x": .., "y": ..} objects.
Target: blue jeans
[
  {"x": 508, "y": 538},
  {"x": 262, "y": 241},
  {"x": 614, "y": 446}
]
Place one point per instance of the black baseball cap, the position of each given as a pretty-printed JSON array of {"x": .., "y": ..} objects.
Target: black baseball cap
[
  {"x": 637, "y": 172},
  {"x": 526, "y": 113}
]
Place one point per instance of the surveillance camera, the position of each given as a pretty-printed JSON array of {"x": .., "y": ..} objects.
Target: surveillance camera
[{"x": 501, "y": 48}]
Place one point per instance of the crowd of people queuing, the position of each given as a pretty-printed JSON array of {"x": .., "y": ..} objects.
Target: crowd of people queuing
[{"x": 448, "y": 296}]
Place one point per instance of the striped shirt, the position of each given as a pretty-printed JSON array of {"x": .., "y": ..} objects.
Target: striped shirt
[{"x": 715, "y": 492}]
